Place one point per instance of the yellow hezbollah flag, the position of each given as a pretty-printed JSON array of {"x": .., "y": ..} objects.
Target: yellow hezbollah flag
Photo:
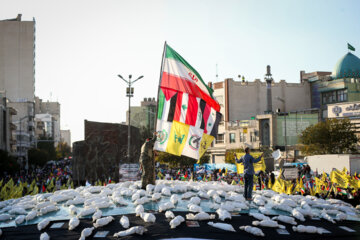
[
  {"x": 289, "y": 187},
  {"x": 339, "y": 178},
  {"x": 205, "y": 143},
  {"x": 177, "y": 138},
  {"x": 279, "y": 186},
  {"x": 320, "y": 186},
  {"x": 259, "y": 166}
]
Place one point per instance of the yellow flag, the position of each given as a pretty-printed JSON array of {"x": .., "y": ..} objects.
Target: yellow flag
[
  {"x": 320, "y": 186},
  {"x": 339, "y": 178},
  {"x": 259, "y": 166},
  {"x": 323, "y": 178},
  {"x": 177, "y": 138},
  {"x": 288, "y": 187},
  {"x": 35, "y": 191},
  {"x": 205, "y": 143},
  {"x": 279, "y": 186}
]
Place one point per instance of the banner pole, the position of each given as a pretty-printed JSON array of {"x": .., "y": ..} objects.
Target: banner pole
[{"x": 161, "y": 71}]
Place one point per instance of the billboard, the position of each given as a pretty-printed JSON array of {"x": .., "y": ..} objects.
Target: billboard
[{"x": 342, "y": 110}]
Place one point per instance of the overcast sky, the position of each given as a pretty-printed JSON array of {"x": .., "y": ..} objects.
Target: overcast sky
[{"x": 81, "y": 45}]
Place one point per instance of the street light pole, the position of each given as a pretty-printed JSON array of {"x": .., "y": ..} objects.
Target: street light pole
[{"x": 129, "y": 93}]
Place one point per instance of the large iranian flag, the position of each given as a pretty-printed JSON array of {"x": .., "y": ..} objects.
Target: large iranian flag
[{"x": 188, "y": 115}]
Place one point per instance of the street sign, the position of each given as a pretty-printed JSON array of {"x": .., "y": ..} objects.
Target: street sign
[
  {"x": 244, "y": 130},
  {"x": 290, "y": 173}
]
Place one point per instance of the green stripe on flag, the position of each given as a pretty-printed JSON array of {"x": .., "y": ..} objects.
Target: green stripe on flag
[
  {"x": 161, "y": 104},
  {"x": 171, "y": 53},
  {"x": 351, "y": 47}
]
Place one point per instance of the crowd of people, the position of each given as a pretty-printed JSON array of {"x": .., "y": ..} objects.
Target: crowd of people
[
  {"x": 308, "y": 182},
  {"x": 53, "y": 176},
  {"x": 58, "y": 175}
]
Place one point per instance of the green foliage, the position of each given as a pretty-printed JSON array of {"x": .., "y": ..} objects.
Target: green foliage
[
  {"x": 47, "y": 144},
  {"x": 63, "y": 150},
  {"x": 204, "y": 159},
  {"x": 334, "y": 136},
  {"x": 8, "y": 163},
  {"x": 175, "y": 161},
  {"x": 38, "y": 157},
  {"x": 229, "y": 155}
]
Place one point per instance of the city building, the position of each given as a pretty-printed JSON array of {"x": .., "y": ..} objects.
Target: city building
[
  {"x": 340, "y": 86},
  {"x": 7, "y": 132},
  {"x": 44, "y": 125},
  {"x": 143, "y": 116},
  {"x": 242, "y": 101},
  {"x": 103, "y": 149},
  {"x": 53, "y": 109},
  {"x": 66, "y": 137},
  {"x": 337, "y": 93},
  {"x": 17, "y": 64},
  {"x": 17, "y": 77}
]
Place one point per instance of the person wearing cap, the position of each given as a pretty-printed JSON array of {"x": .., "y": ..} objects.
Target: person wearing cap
[{"x": 248, "y": 162}]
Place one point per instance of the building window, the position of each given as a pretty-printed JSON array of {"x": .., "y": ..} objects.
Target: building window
[
  {"x": 252, "y": 137},
  {"x": 334, "y": 96},
  {"x": 220, "y": 138},
  {"x": 242, "y": 137},
  {"x": 232, "y": 137},
  {"x": 342, "y": 95}
]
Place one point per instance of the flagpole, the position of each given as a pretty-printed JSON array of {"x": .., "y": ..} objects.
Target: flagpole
[{"x": 161, "y": 72}]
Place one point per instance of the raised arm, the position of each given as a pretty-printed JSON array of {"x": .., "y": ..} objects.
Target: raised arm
[
  {"x": 236, "y": 159},
  {"x": 255, "y": 160}
]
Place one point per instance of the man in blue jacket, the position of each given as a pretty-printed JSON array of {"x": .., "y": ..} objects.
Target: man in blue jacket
[{"x": 248, "y": 162}]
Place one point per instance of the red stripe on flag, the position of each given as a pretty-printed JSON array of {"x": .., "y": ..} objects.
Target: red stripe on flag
[
  {"x": 206, "y": 115},
  {"x": 169, "y": 93},
  {"x": 183, "y": 85},
  {"x": 177, "y": 114},
  {"x": 191, "y": 114}
]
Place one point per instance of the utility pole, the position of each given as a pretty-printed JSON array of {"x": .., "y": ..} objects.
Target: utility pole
[{"x": 129, "y": 93}]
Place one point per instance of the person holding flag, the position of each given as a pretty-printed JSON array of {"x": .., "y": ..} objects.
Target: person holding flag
[{"x": 248, "y": 162}]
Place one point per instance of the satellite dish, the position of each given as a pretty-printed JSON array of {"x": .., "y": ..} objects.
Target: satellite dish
[{"x": 276, "y": 155}]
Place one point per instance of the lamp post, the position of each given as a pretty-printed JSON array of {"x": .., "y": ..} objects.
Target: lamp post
[
  {"x": 129, "y": 93},
  {"x": 285, "y": 113}
]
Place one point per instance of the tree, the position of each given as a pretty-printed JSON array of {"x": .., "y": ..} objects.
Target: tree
[
  {"x": 63, "y": 150},
  {"x": 8, "y": 163},
  {"x": 47, "y": 144},
  {"x": 204, "y": 159},
  {"x": 38, "y": 157},
  {"x": 333, "y": 136},
  {"x": 175, "y": 161}
]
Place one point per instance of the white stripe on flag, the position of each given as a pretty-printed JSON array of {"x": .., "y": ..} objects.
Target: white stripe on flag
[
  {"x": 199, "y": 115},
  {"x": 184, "y": 107},
  {"x": 163, "y": 129},
  {"x": 211, "y": 120},
  {"x": 177, "y": 68},
  {"x": 193, "y": 141},
  {"x": 166, "y": 110}
]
